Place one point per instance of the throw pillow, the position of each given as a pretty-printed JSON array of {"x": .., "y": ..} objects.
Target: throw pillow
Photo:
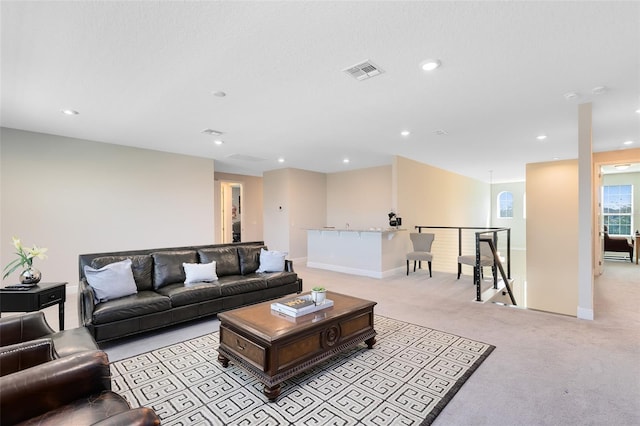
[
  {"x": 199, "y": 272},
  {"x": 271, "y": 261},
  {"x": 111, "y": 281}
]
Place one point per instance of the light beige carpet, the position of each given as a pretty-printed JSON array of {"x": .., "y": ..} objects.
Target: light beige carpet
[{"x": 547, "y": 369}]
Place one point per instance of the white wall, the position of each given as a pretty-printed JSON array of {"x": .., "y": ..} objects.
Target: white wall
[
  {"x": 429, "y": 196},
  {"x": 76, "y": 196},
  {"x": 308, "y": 208},
  {"x": 425, "y": 195},
  {"x": 552, "y": 236},
  {"x": 361, "y": 198},
  {"x": 294, "y": 200},
  {"x": 276, "y": 205}
]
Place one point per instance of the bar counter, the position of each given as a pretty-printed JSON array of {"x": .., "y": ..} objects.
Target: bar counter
[{"x": 371, "y": 252}]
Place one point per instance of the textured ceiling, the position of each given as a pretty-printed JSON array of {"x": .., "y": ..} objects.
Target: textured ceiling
[{"x": 143, "y": 73}]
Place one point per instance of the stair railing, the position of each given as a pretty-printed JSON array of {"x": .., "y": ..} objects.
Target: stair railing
[{"x": 493, "y": 243}]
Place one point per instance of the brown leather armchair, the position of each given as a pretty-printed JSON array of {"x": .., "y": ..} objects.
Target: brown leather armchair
[
  {"x": 36, "y": 389},
  {"x": 33, "y": 325},
  {"x": 618, "y": 244}
]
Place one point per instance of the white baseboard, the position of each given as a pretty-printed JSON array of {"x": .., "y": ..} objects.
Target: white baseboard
[
  {"x": 585, "y": 314},
  {"x": 355, "y": 271}
]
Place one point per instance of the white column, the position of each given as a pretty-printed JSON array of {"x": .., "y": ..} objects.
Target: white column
[{"x": 585, "y": 214}]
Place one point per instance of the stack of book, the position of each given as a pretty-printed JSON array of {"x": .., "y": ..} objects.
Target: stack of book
[{"x": 300, "y": 305}]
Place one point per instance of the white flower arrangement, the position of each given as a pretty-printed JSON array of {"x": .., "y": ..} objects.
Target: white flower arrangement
[{"x": 25, "y": 257}]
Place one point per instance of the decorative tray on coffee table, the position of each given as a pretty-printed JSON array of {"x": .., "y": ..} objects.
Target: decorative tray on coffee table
[{"x": 300, "y": 305}]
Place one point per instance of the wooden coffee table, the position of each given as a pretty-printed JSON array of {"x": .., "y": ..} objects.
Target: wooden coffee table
[{"x": 274, "y": 347}]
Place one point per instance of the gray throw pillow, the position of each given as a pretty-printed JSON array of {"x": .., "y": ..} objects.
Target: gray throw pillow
[
  {"x": 271, "y": 261},
  {"x": 141, "y": 265},
  {"x": 111, "y": 281}
]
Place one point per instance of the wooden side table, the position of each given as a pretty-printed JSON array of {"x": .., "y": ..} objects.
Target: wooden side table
[{"x": 36, "y": 298}]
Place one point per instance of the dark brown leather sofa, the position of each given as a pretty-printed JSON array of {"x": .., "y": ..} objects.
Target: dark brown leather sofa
[
  {"x": 36, "y": 389},
  {"x": 33, "y": 325},
  {"x": 163, "y": 299},
  {"x": 618, "y": 244}
]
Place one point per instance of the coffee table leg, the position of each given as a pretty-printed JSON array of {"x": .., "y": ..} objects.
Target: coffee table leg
[
  {"x": 223, "y": 360},
  {"x": 272, "y": 392},
  {"x": 370, "y": 342}
]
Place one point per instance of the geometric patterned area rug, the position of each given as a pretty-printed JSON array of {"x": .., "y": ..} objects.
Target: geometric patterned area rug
[{"x": 408, "y": 377}]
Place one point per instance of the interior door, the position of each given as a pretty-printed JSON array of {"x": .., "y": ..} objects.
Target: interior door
[{"x": 226, "y": 205}]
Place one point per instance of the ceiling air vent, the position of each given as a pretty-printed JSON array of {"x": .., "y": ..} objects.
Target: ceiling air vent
[
  {"x": 363, "y": 70},
  {"x": 213, "y": 132}
]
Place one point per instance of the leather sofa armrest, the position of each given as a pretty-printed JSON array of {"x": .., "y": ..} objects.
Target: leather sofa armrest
[
  {"x": 25, "y": 355},
  {"x": 86, "y": 303},
  {"x": 21, "y": 328},
  {"x": 141, "y": 416},
  {"x": 288, "y": 266},
  {"x": 52, "y": 384}
]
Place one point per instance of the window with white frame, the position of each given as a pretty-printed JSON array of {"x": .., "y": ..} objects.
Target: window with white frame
[
  {"x": 505, "y": 205},
  {"x": 617, "y": 206}
]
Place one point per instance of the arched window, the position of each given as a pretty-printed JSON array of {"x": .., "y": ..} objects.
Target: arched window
[{"x": 505, "y": 205}]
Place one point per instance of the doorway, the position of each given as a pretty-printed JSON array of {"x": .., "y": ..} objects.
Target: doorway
[
  {"x": 619, "y": 188},
  {"x": 231, "y": 212}
]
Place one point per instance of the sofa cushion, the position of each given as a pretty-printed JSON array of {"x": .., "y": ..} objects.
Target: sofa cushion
[
  {"x": 277, "y": 279},
  {"x": 141, "y": 265},
  {"x": 238, "y": 284},
  {"x": 167, "y": 266},
  {"x": 249, "y": 258},
  {"x": 111, "y": 281},
  {"x": 187, "y": 294},
  {"x": 199, "y": 272},
  {"x": 141, "y": 303},
  {"x": 272, "y": 261},
  {"x": 226, "y": 258}
]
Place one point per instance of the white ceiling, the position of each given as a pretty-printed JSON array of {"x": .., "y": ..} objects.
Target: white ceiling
[{"x": 143, "y": 73}]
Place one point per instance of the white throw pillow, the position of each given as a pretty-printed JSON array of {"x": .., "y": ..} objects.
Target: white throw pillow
[
  {"x": 271, "y": 261},
  {"x": 111, "y": 281},
  {"x": 199, "y": 272}
]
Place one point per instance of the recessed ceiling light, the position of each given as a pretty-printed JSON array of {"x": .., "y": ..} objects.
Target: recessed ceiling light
[
  {"x": 218, "y": 142},
  {"x": 541, "y": 137},
  {"x": 345, "y": 161},
  {"x": 627, "y": 142},
  {"x": 219, "y": 94},
  {"x": 70, "y": 112},
  {"x": 280, "y": 160},
  {"x": 405, "y": 133},
  {"x": 638, "y": 111},
  {"x": 430, "y": 64},
  {"x": 556, "y": 158}
]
